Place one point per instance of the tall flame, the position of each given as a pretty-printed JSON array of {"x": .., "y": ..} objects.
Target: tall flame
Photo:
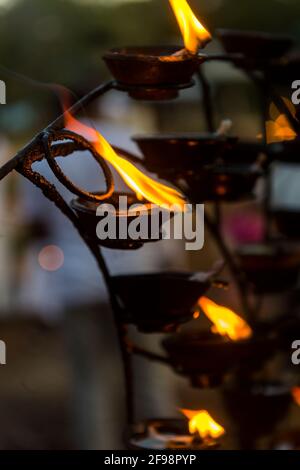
[
  {"x": 278, "y": 128},
  {"x": 142, "y": 185},
  {"x": 204, "y": 424},
  {"x": 296, "y": 395},
  {"x": 225, "y": 321},
  {"x": 194, "y": 34}
]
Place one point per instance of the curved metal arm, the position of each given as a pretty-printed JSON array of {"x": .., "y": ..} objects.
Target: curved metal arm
[
  {"x": 36, "y": 150},
  {"x": 50, "y": 192},
  {"x": 49, "y": 137},
  {"x": 31, "y": 147}
]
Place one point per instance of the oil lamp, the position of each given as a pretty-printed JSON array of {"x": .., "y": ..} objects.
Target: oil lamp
[
  {"x": 221, "y": 183},
  {"x": 157, "y": 73},
  {"x": 203, "y": 166},
  {"x": 255, "y": 48},
  {"x": 182, "y": 152},
  {"x": 87, "y": 213},
  {"x": 270, "y": 267},
  {"x": 245, "y": 152},
  {"x": 200, "y": 432},
  {"x": 145, "y": 188},
  {"x": 206, "y": 357},
  {"x": 152, "y": 73},
  {"x": 256, "y": 406},
  {"x": 158, "y": 302},
  {"x": 285, "y": 70},
  {"x": 207, "y": 167}
]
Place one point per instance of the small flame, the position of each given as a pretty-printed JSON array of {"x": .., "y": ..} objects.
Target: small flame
[
  {"x": 194, "y": 34},
  {"x": 296, "y": 395},
  {"x": 201, "y": 422},
  {"x": 278, "y": 128},
  {"x": 142, "y": 185},
  {"x": 225, "y": 321}
]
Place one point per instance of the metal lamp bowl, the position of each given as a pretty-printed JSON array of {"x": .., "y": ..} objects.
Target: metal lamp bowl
[
  {"x": 244, "y": 152},
  {"x": 254, "y": 44},
  {"x": 182, "y": 151},
  {"x": 86, "y": 211},
  {"x": 285, "y": 70},
  {"x": 222, "y": 183},
  {"x": 206, "y": 167},
  {"x": 160, "y": 301},
  {"x": 147, "y": 65},
  {"x": 272, "y": 267},
  {"x": 147, "y": 74},
  {"x": 207, "y": 358}
]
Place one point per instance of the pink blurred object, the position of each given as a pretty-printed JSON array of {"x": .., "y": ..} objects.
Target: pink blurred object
[{"x": 244, "y": 227}]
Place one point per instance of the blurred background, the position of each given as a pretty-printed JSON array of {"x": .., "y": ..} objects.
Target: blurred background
[{"x": 62, "y": 385}]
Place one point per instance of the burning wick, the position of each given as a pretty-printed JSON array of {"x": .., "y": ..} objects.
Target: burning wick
[
  {"x": 202, "y": 423},
  {"x": 225, "y": 321},
  {"x": 142, "y": 185},
  {"x": 194, "y": 34},
  {"x": 278, "y": 128}
]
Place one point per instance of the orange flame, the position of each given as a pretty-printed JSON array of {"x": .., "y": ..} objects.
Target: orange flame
[
  {"x": 194, "y": 34},
  {"x": 278, "y": 128},
  {"x": 142, "y": 185},
  {"x": 296, "y": 395},
  {"x": 225, "y": 321},
  {"x": 201, "y": 422}
]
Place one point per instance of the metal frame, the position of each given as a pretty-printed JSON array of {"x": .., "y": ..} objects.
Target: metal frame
[{"x": 45, "y": 146}]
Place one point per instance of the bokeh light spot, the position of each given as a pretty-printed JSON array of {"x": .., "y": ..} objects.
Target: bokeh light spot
[{"x": 51, "y": 258}]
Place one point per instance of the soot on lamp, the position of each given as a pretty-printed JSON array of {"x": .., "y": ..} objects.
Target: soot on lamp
[{"x": 154, "y": 73}]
